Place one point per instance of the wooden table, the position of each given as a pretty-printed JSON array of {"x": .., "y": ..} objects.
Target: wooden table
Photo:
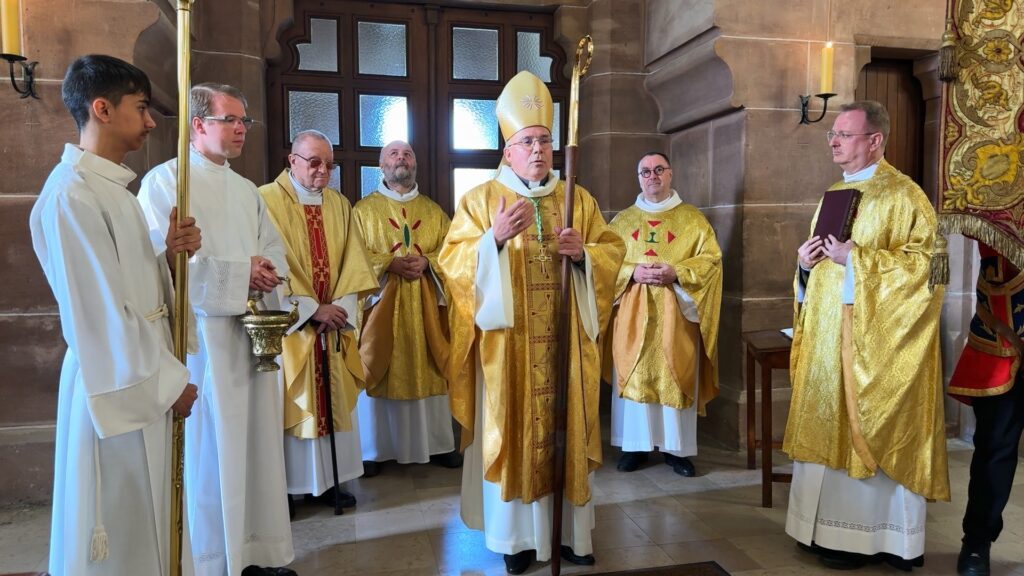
[{"x": 770, "y": 349}]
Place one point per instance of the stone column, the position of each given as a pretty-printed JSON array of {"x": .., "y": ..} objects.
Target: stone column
[{"x": 54, "y": 33}]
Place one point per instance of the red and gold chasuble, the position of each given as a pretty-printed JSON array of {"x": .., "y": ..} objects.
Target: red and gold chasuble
[{"x": 326, "y": 261}]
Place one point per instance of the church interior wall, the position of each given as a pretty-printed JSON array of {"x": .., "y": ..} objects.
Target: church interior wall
[{"x": 712, "y": 82}]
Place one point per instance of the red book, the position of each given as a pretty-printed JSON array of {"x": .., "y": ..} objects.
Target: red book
[{"x": 838, "y": 210}]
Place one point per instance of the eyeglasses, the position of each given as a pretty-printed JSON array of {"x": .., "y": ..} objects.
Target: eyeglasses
[
  {"x": 315, "y": 163},
  {"x": 657, "y": 171},
  {"x": 845, "y": 135},
  {"x": 233, "y": 120},
  {"x": 529, "y": 141}
]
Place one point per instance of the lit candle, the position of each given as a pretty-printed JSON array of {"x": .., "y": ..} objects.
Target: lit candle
[
  {"x": 10, "y": 28},
  {"x": 826, "y": 69}
]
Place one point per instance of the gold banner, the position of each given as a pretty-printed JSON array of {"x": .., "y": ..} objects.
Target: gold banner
[{"x": 981, "y": 187}]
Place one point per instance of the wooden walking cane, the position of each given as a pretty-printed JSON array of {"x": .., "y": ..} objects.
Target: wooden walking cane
[
  {"x": 325, "y": 367},
  {"x": 584, "y": 51},
  {"x": 181, "y": 283}
]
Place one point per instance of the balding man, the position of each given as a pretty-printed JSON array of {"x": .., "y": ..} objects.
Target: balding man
[
  {"x": 404, "y": 415},
  {"x": 329, "y": 272},
  {"x": 865, "y": 428}
]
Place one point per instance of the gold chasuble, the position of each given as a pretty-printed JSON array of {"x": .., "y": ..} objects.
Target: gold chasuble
[
  {"x": 519, "y": 362},
  {"x": 403, "y": 341},
  {"x": 867, "y": 377},
  {"x": 654, "y": 347},
  {"x": 326, "y": 261}
]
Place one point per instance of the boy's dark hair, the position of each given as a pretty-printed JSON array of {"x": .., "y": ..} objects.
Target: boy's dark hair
[{"x": 100, "y": 76}]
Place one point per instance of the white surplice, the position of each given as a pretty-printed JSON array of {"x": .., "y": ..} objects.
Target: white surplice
[
  {"x": 119, "y": 377},
  {"x": 867, "y": 516},
  {"x": 307, "y": 461},
  {"x": 234, "y": 455},
  {"x": 638, "y": 427},
  {"x": 511, "y": 527},
  {"x": 405, "y": 431}
]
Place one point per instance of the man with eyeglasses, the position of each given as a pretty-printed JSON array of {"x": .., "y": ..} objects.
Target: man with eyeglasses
[
  {"x": 328, "y": 272},
  {"x": 404, "y": 415},
  {"x": 501, "y": 258},
  {"x": 234, "y": 459},
  {"x": 866, "y": 430},
  {"x": 664, "y": 332}
]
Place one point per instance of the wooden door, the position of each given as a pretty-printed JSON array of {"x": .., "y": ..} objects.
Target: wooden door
[{"x": 892, "y": 83}]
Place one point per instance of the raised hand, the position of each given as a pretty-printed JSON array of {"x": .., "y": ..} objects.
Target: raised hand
[{"x": 510, "y": 223}]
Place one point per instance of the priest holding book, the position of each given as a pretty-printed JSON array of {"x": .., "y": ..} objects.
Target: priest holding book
[{"x": 865, "y": 428}]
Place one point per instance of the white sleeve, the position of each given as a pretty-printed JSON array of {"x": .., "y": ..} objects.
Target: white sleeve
[
  {"x": 849, "y": 276},
  {"x": 586, "y": 297},
  {"x": 687, "y": 306},
  {"x": 216, "y": 286},
  {"x": 128, "y": 372},
  {"x": 493, "y": 286},
  {"x": 348, "y": 302}
]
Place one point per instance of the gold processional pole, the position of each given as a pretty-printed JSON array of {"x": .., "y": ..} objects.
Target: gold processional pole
[
  {"x": 181, "y": 283},
  {"x": 584, "y": 52}
]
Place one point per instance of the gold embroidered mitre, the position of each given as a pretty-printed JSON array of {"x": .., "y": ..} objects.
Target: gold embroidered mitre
[{"x": 524, "y": 102}]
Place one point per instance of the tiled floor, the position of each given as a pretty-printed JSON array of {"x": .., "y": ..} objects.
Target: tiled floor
[{"x": 407, "y": 523}]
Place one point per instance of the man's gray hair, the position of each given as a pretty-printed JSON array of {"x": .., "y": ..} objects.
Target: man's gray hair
[
  {"x": 876, "y": 116},
  {"x": 310, "y": 135},
  {"x": 200, "y": 99}
]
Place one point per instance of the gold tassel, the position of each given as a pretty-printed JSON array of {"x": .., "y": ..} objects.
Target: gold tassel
[
  {"x": 947, "y": 54},
  {"x": 1009, "y": 247},
  {"x": 939, "y": 273}
]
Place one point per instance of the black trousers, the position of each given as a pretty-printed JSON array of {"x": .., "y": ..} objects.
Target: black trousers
[{"x": 996, "y": 438}]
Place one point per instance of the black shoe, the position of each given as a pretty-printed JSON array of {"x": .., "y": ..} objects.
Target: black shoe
[
  {"x": 631, "y": 461},
  {"x": 370, "y": 468},
  {"x": 327, "y": 498},
  {"x": 973, "y": 561},
  {"x": 680, "y": 465},
  {"x": 449, "y": 460},
  {"x": 518, "y": 563},
  {"x": 267, "y": 571},
  {"x": 840, "y": 560},
  {"x": 812, "y": 548},
  {"x": 569, "y": 556},
  {"x": 900, "y": 563}
]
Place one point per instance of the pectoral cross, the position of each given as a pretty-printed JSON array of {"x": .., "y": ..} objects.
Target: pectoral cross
[{"x": 543, "y": 257}]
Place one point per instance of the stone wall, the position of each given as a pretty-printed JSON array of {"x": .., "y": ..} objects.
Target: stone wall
[{"x": 227, "y": 48}]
